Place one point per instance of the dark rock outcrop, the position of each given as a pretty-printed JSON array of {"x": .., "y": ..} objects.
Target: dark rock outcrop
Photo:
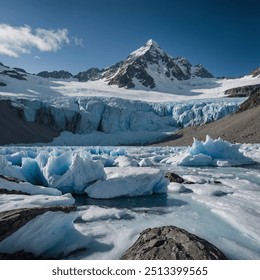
[
  {"x": 14, "y": 74},
  {"x": 244, "y": 91},
  {"x": 252, "y": 102},
  {"x": 11, "y": 221},
  {"x": 171, "y": 243},
  {"x": 3, "y": 84},
  {"x": 20, "y": 70},
  {"x": 55, "y": 74}
]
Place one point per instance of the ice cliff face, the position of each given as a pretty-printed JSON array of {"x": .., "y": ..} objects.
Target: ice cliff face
[{"x": 114, "y": 115}]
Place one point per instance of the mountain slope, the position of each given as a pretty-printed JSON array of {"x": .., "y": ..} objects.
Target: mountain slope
[{"x": 14, "y": 130}]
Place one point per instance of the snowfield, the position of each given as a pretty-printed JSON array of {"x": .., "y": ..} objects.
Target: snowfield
[
  {"x": 129, "y": 193},
  {"x": 47, "y": 88}
]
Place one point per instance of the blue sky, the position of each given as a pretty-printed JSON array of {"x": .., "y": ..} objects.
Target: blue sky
[{"x": 222, "y": 35}]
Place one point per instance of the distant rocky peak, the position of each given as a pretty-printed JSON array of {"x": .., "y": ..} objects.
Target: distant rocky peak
[
  {"x": 91, "y": 74},
  {"x": 55, "y": 74}
]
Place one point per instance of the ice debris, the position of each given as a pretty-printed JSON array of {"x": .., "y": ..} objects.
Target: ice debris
[
  {"x": 133, "y": 181},
  {"x": 212, "y": 153}
]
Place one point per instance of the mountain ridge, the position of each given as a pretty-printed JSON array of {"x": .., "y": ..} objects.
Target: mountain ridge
[{"x": 149, "y": 66}]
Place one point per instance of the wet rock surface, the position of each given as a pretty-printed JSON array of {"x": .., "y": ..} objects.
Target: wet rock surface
[{"x": 171, "y": 243}]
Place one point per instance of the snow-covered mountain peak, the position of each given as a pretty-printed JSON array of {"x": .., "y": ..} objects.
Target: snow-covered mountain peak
[
  {"x": 150, "y": 46},
  {"x": 153, "y": 46},
  {"x": 152, "y": 68},
  {"x": 151, "y": 42}
]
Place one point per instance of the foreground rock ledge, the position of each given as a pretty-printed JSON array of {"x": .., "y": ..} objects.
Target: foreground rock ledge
[{"x": 171, "y": 243}]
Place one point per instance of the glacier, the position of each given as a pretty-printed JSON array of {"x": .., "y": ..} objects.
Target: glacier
[{"x": 115, "y": 121}]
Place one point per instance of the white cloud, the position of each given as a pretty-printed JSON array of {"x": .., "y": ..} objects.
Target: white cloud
[
  {"x": 15, "y": 41},
  {"x": 37, "y": 57}
]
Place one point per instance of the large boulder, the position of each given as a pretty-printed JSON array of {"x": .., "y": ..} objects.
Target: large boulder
[{"x": 171, "y": 243}]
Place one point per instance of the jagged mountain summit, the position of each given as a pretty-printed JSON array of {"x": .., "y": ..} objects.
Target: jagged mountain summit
[
  {"x": 151, "y": 67},
  {"x": 55, "y": 74}
]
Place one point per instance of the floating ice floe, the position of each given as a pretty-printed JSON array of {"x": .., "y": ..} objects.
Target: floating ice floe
[
  {"x": 131, "y": 181},
  {"x": 212, "y": 153}
]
